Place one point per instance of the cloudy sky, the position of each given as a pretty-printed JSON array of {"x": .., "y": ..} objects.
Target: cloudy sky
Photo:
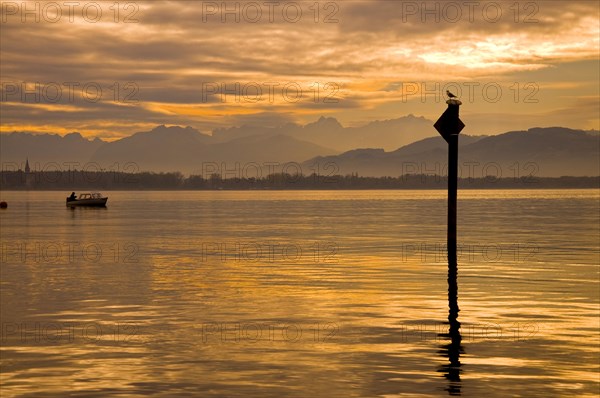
[{"x": 113, "y": 68}]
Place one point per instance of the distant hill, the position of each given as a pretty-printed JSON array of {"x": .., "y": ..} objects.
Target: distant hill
[
  {"x": 43, "y": 149},
  {"x": 543, "y": 152},
  {"x": 188, "y": 151},
  {"x": 329, "y": 133},
  {"x": 550, "y": 152}
]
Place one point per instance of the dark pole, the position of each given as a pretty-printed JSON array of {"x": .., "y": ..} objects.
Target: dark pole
[
  {"x": 452, "y": 139},
  {"x": 452, "y": 194},
  {"x": 449, "y": 126},
  {"x": 452, "y": 259}
]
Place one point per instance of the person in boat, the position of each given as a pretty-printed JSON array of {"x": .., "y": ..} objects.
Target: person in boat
[{"x": 72, "y": 197}]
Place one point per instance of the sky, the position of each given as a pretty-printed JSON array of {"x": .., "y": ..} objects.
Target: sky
[{"x": 110, "y": 69}]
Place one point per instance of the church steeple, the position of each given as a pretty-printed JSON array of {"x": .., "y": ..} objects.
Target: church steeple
[{"x": 27, "y": 169}]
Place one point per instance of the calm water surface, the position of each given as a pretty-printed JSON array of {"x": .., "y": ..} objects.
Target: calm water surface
[{"x": 301, "y": 294}]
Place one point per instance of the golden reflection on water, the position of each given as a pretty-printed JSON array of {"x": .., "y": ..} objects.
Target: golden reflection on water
[{"x": 300, "y": 293}]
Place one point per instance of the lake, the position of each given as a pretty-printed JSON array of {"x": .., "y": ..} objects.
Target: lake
[{"x": 299, "y": 293}]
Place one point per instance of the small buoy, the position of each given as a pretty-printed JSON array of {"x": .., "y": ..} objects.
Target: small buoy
[{"x": 3, "y": 205}]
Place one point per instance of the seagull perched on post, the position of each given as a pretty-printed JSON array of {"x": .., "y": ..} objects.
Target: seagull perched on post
[{"x": 449, "y": 94}]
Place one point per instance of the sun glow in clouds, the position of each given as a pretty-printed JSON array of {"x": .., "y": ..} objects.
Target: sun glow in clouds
[{"x": 170, "y": 49}]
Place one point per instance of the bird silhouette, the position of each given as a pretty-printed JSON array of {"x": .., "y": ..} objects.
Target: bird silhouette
[{"x": 449, "y": 94}]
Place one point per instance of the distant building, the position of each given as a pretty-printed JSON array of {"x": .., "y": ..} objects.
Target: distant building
[{"x": 28, "y": 175}]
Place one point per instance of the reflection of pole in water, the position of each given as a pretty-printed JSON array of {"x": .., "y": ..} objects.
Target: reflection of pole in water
[
  {"x": 454, "y": 349},
  {"x": 449, "y": 125}
]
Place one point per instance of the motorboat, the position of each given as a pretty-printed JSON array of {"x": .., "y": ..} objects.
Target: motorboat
[{"x": 87, "y": 199}]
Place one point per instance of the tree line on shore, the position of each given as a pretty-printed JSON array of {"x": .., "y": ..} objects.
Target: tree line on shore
[{"x": 110, "y": 180}]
